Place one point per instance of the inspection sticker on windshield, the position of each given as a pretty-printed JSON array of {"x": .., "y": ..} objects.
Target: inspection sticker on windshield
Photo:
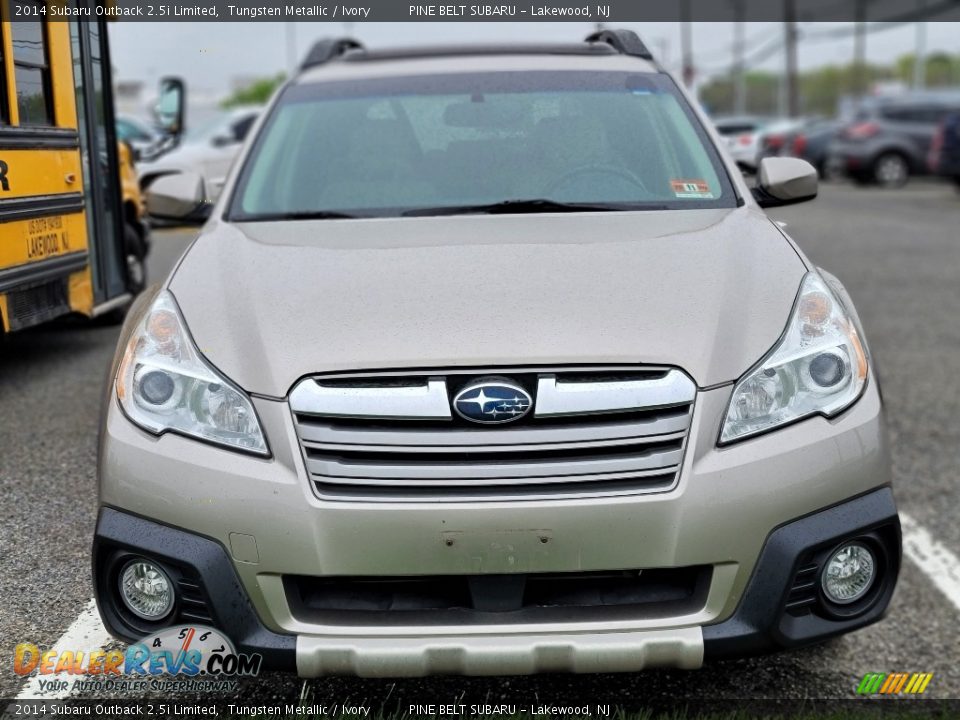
[{"x": 691, "y": 189}]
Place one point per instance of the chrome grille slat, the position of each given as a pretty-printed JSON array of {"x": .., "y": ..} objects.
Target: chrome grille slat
[
  {"x": 594, "y": 432},
  {"x": 390, "y": 468},
  {"x": 555, "y": 397},
  {"x": 317, "y": 431},
  {"x": 400, "y": 450},
  {"x": 598, "y": 488},
  {"x": 428, "y": 400},
  {"x": 444, "y": 483}
]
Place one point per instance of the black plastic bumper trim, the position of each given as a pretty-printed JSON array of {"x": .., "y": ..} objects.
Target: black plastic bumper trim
[
  {"x": 761, "y": 622},
  {"x": 43, "y": 138},
  {"x": 230, "y": 608},
  {"x": 27, "y": 208},
  {"x": 42, "y": 270}
]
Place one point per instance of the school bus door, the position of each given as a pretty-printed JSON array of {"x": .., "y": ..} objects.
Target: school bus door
[{"x": 98, "y": 149}]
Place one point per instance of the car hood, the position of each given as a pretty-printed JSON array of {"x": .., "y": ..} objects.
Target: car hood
[
  {"x": 708, "y": 291},
  {"x": 183, "y": 156}
]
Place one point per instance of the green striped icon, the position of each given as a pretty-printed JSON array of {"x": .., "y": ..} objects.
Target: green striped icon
[{"x": 894, "y": 683}]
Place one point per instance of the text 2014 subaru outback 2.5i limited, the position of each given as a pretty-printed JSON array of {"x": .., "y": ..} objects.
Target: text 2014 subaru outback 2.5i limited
[{"x": 487, "y": 361}]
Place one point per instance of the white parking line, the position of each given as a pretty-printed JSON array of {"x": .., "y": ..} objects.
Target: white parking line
[
  {"x": 933, "y": 558},
  {"x": 85, "y": 634}
]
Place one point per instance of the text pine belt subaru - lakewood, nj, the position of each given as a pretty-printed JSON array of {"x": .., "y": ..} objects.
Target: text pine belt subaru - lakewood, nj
[{"x": 487, "y": 361}]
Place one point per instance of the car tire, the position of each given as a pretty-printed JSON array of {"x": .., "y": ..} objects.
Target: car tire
[
  {"x": 956, "y": 181},
  {"x": 135, "y": 251},
  {"x": 891, "y": 170},
  {"x": 136, "y": 255}
]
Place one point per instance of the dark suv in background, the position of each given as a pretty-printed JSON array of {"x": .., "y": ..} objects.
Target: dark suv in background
[
  {"x": 945, "y": 150},
  {"x": 889, "y": 138}
]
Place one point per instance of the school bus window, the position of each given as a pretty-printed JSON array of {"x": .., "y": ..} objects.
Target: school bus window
[
  {"x": 30, "y": 67},
  {"x": 4, "y": 113}
]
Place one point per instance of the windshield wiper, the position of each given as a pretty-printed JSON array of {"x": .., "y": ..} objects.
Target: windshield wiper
[
  {"x": 539, "y": 205},
  {"x": 299, "y": 215}
]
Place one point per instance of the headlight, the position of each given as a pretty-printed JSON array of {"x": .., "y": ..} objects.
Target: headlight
[
  {"x": 818, "y": 367},
  {"x": 164, "y": 384}
]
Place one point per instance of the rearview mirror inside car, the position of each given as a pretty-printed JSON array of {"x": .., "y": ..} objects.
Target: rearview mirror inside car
[
  {"x": 484, "y": 114},
  {"x": 180, "y": 197},
  {"x": 784, "y": 181}
]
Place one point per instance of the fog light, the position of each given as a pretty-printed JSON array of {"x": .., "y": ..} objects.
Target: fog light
[
  {"x": 146, "y": 590},
  {"x": 849, "y": 573}
]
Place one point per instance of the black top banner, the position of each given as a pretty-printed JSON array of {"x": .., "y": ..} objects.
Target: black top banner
[{"x": 596, "y": 11}]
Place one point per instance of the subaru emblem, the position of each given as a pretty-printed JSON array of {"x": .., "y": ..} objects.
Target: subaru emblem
[{"x": 492, "y": 401}]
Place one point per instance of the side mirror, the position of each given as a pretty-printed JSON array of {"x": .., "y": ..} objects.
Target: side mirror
[
  {"x": 222, "y": 141},
  {"x": 180, "y": 197},
  {"x": 784, "y": 181},
  {"x": 241, "y": 128},
  {"x": 171, "y": 105}
]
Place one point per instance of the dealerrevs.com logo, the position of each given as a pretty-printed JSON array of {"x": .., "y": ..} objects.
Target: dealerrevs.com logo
[{"x": 172, "y": 658}]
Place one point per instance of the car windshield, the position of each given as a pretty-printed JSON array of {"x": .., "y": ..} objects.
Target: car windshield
[
  {"x": 130, "y": 129},
  {"x": 506, "y": 142},
  {"x": 218, "y": 125}
]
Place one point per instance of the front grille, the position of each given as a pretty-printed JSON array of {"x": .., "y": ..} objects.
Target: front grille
[
  {"x": 591, "y": 432},
  {"x": 39, "y": 303},
  {"x": 498, "y": 599}
]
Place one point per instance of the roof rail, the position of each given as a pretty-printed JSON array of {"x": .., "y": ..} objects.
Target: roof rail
[
  {"x": 327, "y": 49},
  {"x": 625, "y": 42}
]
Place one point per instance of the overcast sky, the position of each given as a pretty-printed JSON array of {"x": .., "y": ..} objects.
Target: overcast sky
[{"x": 211, "y": 56}]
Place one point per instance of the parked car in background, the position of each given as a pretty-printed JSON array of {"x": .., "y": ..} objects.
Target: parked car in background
[
  {"x": 138, "y": 134},
  {"x": 741, "y": 135},
  {"x": 890, "y": 138},
  {"x": 775, "y": 136},
  {"x": 945, "y": 150},
  {"x": 811, "y": 141},
  {"x": 208, "y": 152}
]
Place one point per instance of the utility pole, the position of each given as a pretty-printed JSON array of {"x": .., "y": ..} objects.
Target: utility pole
[
  {"x": 790, "y": 58},
  {"x": 663, "y": 50},
  {"x": 686, "y": 43},
  {"x": 738, "y": 69},
  {"x": 292, "y": 59},
  {"x": 860, "y": 49},
  {"x": 920, "y": 51}
]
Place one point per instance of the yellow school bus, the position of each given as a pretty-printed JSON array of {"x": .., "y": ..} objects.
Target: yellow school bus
[{"x": 72, "y": 239}]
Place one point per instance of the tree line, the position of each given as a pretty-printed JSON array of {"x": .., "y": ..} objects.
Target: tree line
[{"x": 821, "y": 90}]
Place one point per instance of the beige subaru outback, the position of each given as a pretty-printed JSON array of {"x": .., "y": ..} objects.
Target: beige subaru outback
[{"x": 487, "y": 361}]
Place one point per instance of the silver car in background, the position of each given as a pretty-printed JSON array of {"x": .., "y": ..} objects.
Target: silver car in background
[
  {"x": 741, "y": 137},
  {"x": 207, "y": 152}
]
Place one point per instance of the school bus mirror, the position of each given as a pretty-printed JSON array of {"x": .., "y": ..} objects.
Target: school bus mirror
[
  {"x": 171, "y": 105},
  {"x": 179, "y": 197}
]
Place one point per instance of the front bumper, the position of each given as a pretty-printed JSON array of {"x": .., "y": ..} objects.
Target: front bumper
[
  {"x": 261, "y": 522},
  {"x": 763, "y": 621}
]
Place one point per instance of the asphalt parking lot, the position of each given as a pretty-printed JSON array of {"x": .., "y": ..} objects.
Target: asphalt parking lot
[{"x": 898, "y": 253}]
